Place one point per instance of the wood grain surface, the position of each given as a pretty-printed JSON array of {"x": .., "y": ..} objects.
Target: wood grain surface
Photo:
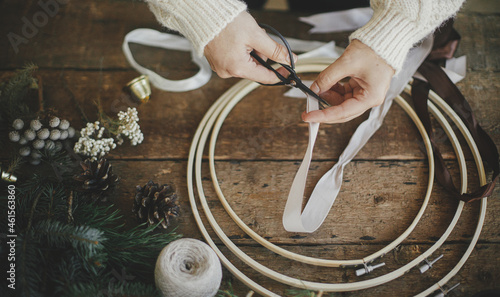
[{"x": 78, "y": 51}]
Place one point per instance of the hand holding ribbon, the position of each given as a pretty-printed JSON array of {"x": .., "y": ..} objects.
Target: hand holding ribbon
[{"x": 370, "y": 77}]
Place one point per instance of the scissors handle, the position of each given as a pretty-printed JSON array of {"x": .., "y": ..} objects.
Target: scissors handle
[
  {"x": 265, "y": 64},
  {"x": 293, "y": 79}
]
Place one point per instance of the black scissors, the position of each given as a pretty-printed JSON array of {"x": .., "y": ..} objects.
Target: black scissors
[{"x": 293, "y": 79}]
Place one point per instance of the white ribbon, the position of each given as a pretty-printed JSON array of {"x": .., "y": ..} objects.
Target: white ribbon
[
  {"x": 154, "y": 38},
  {"x": 338, "y": 21},
  {"x": 328, "y": 187}
]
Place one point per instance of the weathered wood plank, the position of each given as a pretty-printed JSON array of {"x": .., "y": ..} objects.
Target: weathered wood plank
[
  {"x": 480, "y": 40},
  {"x": 78, "y": 35},
  {"x": 479, "y": 273},
  {"x": 264, "y": 125},
  {"x": 378, "y": 201},
  {"x": 64, "y": 42},
  {"x": 382, "y": 189}
]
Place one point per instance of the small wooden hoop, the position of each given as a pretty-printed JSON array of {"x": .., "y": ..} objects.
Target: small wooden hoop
[
  {"x": 215, "y": 129},
  {"x": 218, "y": 106},
  {"x": 482, "y": 180}
]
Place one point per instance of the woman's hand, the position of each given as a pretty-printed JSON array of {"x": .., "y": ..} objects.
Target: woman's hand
[
  {"x": 370, "y": 77},
  {"x": 229, "y": 52}
]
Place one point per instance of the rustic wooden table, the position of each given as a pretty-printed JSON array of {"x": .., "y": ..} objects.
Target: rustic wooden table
[{"x": 262, "y": 142}]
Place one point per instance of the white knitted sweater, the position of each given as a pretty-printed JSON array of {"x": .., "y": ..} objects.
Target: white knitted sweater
[{"x": 395, "y": 27}]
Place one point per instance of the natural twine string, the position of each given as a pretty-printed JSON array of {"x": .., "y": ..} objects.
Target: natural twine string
[{"x": 188, "y": 268}]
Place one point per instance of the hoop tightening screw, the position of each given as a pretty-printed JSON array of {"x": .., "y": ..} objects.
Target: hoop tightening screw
[
  {"x": 445, "y": 292},
  {"x": 428, "y": 264},
  {"x": 368, "y": 269}
]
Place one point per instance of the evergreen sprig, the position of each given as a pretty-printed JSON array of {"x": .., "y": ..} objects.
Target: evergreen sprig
[
  {"x": 132, "y": 289},
  {"x": 86, "y": 240},
  {"x": 112, "y": 125},
  {"x": 13, "y": 94},
  {"x": 229, "y": 292},
  {"x": 66, "y": 245},
  {"x": 93, "y": 252}
]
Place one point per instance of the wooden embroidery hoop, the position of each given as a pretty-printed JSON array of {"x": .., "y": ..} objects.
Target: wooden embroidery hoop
[
  {"x": 288, "y": 254},
  {"x": 232, "y": 96}
]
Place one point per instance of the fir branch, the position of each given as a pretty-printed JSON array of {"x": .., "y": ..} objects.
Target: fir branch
[
  {"x": 83, "y": 238},
  {"x": 52, "y": 203},
  {"x": 14, "y": 92},
  {"x": 56, "y": 254},
  {"x": 25, "y": 251},
  {"x": 95, "y": 216},
  {"x": 70, "y": 208},
  {"x": 31, "y": 184},
  {"x": 50, "y": 193},
  {"x": 28, "y": 278},
  {"x": 63, "y": 166},
  {"x": 136, "y": 248},
  {"x": 15, "y": 163},
  {"x": 227, "y": 293},
  {"x": 67, "y": 272},
  {"x": 32, "y": 211},
  {"x": 111, "y": 125},
  {"x": 112, "y": 289}
]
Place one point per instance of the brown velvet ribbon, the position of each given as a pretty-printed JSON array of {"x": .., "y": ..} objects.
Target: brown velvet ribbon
[{"x": 445, "y": 44}]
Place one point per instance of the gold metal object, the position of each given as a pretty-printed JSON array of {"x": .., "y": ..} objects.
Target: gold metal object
[
  {"x": 140, "y": 88},
  {"x": 8, "y": 177}
]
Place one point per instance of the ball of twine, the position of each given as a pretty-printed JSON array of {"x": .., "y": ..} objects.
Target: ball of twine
[{"x": 188, "y": 268}]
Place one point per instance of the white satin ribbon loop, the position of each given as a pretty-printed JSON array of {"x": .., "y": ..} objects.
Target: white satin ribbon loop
[
  {"x": 292, "y": 220},
  {"x": 154, "y": 38},
  {"x": 328, "y": 187}
]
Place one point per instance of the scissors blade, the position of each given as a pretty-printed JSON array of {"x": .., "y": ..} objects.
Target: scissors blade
[{"x": 301, "y": 86}]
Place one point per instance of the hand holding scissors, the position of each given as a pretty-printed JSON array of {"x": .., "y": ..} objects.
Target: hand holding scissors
[
  {"x": 229, "y": 52},
  {"x": 292, "y": 79}
]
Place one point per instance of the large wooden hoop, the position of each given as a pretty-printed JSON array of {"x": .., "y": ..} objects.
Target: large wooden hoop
[
  {"x": 482, "y": 180},
  {"x": 286, "y": 253},
  {"x": 256, "y": 287}
]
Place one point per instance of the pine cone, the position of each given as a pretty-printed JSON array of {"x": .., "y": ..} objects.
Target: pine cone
[
  {"x": 96, "y": 178},
  {"x": 154, "y": 203}
]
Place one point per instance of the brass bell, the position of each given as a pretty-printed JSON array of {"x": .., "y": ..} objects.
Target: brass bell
[
  {"x": 8, "y": 177},
  {"x": 140, "y": 88}
]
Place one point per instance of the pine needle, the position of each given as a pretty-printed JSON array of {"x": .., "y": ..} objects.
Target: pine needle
[
  {"x": 15, "y": 163},
  {"x": 13, "y": 94}
]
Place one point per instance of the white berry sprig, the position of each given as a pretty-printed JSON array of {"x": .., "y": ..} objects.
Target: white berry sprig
[
  {"x": 91, "y": 142},
  {"x": 129, "y": 126}
]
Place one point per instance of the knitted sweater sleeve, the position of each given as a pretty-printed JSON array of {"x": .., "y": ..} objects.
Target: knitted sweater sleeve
[
  {"x": 396, "y": 25},
  {"x": 197, "y": 20}
]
